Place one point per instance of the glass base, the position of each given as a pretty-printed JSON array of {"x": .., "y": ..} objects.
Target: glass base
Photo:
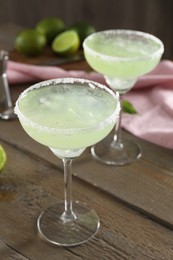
[
  {"x": 109, "y": 153},
  {"x": 53, "y": 228}
]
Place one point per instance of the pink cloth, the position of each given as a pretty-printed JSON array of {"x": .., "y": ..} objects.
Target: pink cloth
[
  {"x": 19, "y": 73},
  {"x": 152, "y": 96}
]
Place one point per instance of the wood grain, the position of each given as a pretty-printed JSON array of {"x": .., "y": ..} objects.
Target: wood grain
[
  {"x": 8, "y": 253},
  {"x": 31, "y": 185}
]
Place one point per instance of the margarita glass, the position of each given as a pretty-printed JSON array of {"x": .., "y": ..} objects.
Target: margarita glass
[
  {"x": 121, "y": 56},
  {"x": 67, "y": 115}
]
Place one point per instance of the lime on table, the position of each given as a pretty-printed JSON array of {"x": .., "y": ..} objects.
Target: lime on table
[
  {"x": 66, "y": 43},
  {"x": 3, "y": 158},
  {"x": 30, "y": 42},
  {"x": 50, "y": 27}
]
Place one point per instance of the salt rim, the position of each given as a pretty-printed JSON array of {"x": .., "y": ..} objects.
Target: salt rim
[
  {"x": 56, "y": 81},
  {"x": 129, "y": 32}
]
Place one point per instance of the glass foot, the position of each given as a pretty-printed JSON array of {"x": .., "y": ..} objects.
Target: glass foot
[
  {"x": 108, "y": 153},
  {"x": 53, "y": 228}
]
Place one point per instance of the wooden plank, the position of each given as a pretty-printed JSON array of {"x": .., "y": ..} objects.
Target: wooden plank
[
  {"x": 8, "y": 253},
  {"x": 29, "y": 185},
  {"x": 143, "y": 186},
  {"x": 22, "y": 198}
]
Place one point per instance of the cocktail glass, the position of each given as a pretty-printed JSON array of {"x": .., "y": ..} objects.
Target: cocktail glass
[
  {"x": 68, "y": 115},
  {"x": 121, "y": 56}
]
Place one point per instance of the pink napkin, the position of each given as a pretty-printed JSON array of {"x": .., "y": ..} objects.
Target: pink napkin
[
  {"x": 19, "y": 73},
  {"x": 152, "y": 96}
]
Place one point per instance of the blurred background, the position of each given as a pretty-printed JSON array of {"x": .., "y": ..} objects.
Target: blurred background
[{"x": 152, "y": 16}]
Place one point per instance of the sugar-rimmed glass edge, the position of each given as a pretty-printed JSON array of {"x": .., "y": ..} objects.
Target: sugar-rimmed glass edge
[
  {"x": 55, "y": 81},
  {"x": 145, "y": 35}
]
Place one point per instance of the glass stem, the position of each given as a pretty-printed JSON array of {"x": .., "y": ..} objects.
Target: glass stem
[
  {"x": 117, "y": 143},
  {"x": 68, "y": 214}
]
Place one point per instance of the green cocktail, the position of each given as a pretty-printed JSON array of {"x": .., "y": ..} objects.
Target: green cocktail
[
  {"x": 121, "y": 56},
  {"x": 68, "y": 115}
]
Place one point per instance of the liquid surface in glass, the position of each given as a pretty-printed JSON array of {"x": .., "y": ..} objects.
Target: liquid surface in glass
[
  {"x": 68, "y": 116},
  {"x": 122, "y": 54}
]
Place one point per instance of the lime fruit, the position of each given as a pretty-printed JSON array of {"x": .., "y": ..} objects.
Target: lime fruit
[
  {"x": 30, "y": 42},
  {"x": 66, "y": 43},
  {"x": 3, "y": 158},
  {"x": 50, "y": 27},
  {"x": 83, "y": 29},
  {"x": 128, "y": 107}
]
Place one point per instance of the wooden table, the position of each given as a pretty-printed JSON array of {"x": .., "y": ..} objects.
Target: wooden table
[{"x": 134, "y": 202}]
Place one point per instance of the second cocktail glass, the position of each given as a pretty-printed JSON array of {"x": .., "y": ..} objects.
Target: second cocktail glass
[
  {"x": 121, "y": 56},
  {"x": 68, "y": 115}
]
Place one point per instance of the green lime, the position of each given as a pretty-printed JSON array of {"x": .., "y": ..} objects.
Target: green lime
[
  {"x": 50, "y": 27},
  {"x": 3, "y": 158},
  {"x": 83, "y": 29},
  {"x": 66, "y": 43},
  {"x": 128, "y": 107},
  {"x": 30, "y": 42}
]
